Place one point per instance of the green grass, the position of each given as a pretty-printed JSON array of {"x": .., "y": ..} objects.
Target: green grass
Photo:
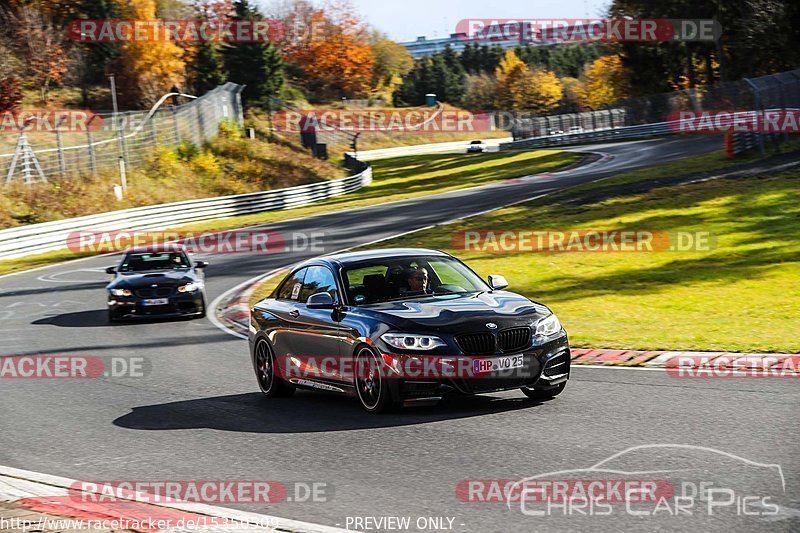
[
  {"x": 407, "y": 177},
  {"x": 394, "y": 179},
  {"x": 744, "y": 295}
]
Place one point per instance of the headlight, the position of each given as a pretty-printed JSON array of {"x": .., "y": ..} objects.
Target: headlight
[
  {"x": 121, "y": 292},
  {"x": 548, "y": 326},
  {"x": 189, "y": 287},
  {"x": 410, "y": 341}
]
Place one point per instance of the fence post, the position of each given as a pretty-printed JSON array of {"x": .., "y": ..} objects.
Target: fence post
[
  {"x": 62, "y": 167},
  {"x": 92, "y": 157},
  {"x": 200, "y": 129},
  {"x": 757, "y": 105},
  {"x": 153, "y": 131},
  {"x": 783, "y": 102},
  {"x": 237, "y": 105},
  {"x": 122, "y": 136},
  {"x": 175, "y": 125}
]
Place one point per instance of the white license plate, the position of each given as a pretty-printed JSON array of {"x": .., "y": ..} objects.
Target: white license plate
[
  {"x": 496, "y": 364},
  {"x": 156, "y": 301}
]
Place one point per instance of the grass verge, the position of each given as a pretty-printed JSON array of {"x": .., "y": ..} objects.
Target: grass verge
[{"x": 743, "y": 295}]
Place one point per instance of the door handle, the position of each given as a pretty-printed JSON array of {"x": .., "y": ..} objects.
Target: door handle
[{"x": 294, "y": 313}]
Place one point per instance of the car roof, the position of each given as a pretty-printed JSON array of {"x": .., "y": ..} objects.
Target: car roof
[
  {"x": 346, "y": 258},
  {"x": 175, "y": 247}
]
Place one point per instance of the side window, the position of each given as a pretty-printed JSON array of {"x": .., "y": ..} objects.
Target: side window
[
  {"x": 318, "y": 279},
  {"x": 291, "y": 288}
]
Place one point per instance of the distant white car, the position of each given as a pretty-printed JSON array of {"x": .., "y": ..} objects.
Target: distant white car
[
  {"x": 576, "y": 129},
  {"x": 555, "y": 132},
  {"x": 476, "y": 147}
]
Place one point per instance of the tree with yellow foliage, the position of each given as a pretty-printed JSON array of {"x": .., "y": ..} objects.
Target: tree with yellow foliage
[
  {"x": 146, "y": 69},
  {"x": 519, "y": 88},
  {"x": 604, "y": 82}
]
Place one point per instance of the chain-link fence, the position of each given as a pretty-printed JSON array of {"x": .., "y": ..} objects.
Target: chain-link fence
[
  {"x": 128, "y": 136},
  {"x": 774, "y": 92}
]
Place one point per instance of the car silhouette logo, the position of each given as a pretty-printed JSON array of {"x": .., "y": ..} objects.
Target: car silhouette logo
[{"x": 491, "y": 325}]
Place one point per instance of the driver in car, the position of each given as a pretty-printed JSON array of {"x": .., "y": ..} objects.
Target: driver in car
[{"x": 417, "y": 282}]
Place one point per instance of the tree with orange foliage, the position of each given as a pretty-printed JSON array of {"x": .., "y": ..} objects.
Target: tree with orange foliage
[
  {"x": 147, "y": 69},
  {"x": 332, "y": 51}
]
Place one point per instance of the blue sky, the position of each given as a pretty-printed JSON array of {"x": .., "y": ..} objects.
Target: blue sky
[{"x": 404, "y": 20}]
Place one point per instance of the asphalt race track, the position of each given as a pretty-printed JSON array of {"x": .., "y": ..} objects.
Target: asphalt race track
[{"x": 197, "y": 413}]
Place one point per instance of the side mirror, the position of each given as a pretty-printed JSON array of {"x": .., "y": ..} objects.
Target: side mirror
[
  {"x": 111, "y": 270},
  {"x": 200, "y": 264},
  {"x": 497, "y": 282},
  {"x": 321, "y": 300}
]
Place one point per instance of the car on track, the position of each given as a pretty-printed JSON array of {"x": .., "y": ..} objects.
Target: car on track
[
  {"x": 403, "y": 326},
  {"x": 476, "y": 147},
  {"x": 156, "y": 282}
]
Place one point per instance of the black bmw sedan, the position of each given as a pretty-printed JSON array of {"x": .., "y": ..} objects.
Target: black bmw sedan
[
  {"x": 156, "y": 282},
  {"x": 402, "y": 326}
]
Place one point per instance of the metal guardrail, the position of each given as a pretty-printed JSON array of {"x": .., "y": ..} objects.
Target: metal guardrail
[
  {"x": 744, "y": 142},
  {"x": 627, "y": 132},
  {"x": 50, "y": 236}
]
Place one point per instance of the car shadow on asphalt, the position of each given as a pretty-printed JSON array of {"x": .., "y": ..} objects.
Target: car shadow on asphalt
[
  {"x": 305, "y": 412},
  {"x": 96, "y": 318}
]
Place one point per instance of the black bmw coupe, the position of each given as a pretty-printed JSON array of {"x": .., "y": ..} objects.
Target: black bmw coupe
[
  {"x": 154, "y": 282},
  {"x": 401, "y": 326}
]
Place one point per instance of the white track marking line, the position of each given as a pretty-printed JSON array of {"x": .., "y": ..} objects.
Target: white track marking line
[
  {"x": 16, "y": 484},
  {"x": 618, "y": 367}
]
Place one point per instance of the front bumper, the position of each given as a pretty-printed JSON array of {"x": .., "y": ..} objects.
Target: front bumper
[
  {"x": 180, "y": 305},
  {"x": 545, "y": 366}
]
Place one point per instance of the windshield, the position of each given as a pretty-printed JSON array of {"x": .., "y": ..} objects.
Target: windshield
[
  {"x": 148, "y": 261},
  {"x": 386, "y": 279}
]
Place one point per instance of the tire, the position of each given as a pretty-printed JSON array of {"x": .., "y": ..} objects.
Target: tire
[
  {"x": 202, "y": 313},
  {"x": 374, "y": 393},
  {"x": 549, "y": 394},
  {"x": 264, "y": 365}
]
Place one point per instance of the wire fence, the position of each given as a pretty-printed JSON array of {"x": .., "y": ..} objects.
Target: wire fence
[
  {"x": 774, "y": 92},
  {"x": 129, "y": 136}
]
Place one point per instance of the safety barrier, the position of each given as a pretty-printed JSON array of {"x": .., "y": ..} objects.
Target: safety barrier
[
  {"x": 50, "y": 236},
  {"x": 627, "y": 132}
]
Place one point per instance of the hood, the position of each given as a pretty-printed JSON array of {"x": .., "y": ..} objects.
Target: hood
[
  {"x": 168, "y": 278},
  {"x": 458, "y": 312}
]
